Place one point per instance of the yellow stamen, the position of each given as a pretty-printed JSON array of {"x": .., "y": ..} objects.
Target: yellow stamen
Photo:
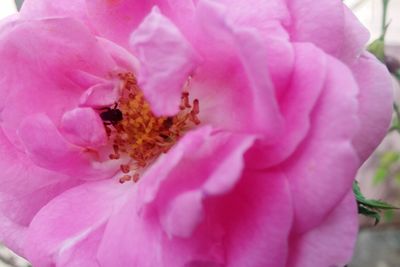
[{"x": 143, "y": 136}]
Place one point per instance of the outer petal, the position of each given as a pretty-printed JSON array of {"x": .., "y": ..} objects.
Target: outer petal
[
  {"x": 375, "y": 100},
  {"x": 33, "y": 9},
  {"x": 25, "y": 188},
  {"x": 12, "y": 234},
  {"x": 70, "y": 219},
  {"x": 323, "y": 168},
  {"x": 81, "y": 252},
  {"x": 166, "y": 61},
  {"x": 297, "y": 102},
  {"x": 116, "y": 20},
  {"x": 268, "y": 17},
  {"x": 329, "y": 25},
  {"x": 339, "y": 229},
  {"x": 258, "y": 218},
  {"x": 40, "y": 56}
]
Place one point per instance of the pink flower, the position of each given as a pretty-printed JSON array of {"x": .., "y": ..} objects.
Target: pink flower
[{"x": 241, "y": 123}]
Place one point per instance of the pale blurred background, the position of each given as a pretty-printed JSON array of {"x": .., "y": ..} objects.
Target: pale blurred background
[{"x": 377, "y": 246}]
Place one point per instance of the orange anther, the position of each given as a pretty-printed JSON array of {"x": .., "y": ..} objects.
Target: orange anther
[
  {"x": 125, "y": 168},
  {"x": 124, "y": 179}
]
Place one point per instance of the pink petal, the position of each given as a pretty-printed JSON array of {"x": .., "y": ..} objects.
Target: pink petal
[
  {"x": 83, "y": 127},
  {"x": 213, "y": 163},
  {"x": 297, "y": 102},
  {"x": 184, "y": 214},
  {"x": 101, "y": 95},
  {"x": 323, "y": 168},
  {"x": 116, "y": 20},
  {"x": 166, "y": 61},
  {"x": 342, "y": 36},
  {"x": 257, "y": 216},
  {"x": 191, "y": 157},
  {"x": 120, "y": 55},
  {"x": 233, "y": 77},
  {"x": 375, "y": 100},
  {"x": 12, "y": 234},
  {"x": 355, "y": 38},
  {"x": 309, "y": 17},
  {"x": 40, "y": 55},
  {"x": 83, "y": 251},
  {"x": 34, "y": 9},
  {"x": 70, "y": 219},
  {"x": 45, "y": 145},
  {"x": 268, "y": 17},
  {"x": 25, "y": 187},
  {"x": 339, "y": 229}
]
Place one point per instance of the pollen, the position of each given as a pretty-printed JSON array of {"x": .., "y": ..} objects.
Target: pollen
[{"x": 140, "y": 137}]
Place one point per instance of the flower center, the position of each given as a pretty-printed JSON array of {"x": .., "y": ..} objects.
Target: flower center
[{"x": 140, "y": 135}]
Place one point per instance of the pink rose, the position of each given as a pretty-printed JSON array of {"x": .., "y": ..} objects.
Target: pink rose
[{"x": 233, "y": 132}]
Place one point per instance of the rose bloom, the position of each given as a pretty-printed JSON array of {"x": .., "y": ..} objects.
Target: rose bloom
[{"x": 185, "y": 133}]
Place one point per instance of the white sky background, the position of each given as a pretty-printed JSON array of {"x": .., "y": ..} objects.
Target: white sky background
[
  {"x": 7, "y": 7},
  {"x": 368, "y": 11}
]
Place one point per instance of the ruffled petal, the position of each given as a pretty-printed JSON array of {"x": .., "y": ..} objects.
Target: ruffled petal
[
  {"x": 45, "y": 145},
  {"x": 25, "y": 187},
  {"x": 323, "y": 168},
  {"x": 34, "y": 9},
  {"x": 69, "y": 221},
  {"x": 329, "y": 25},
  {"x": 309, "y": 17},
  {"x": 234, "y": 76},
  {"x": 166, "y": 61},
  {"x": 101, "y": 95},
  {"x": 340, "y": 228},
  {"x": 296, "y": 105},
  {"x": 81, "y": 252},
  {"x": 375, "y": 98},
  {"x": 83, "y": 127},
  {"x": 200, "y": 166},
  {"x": 12, "y": 234},
  {"x": 116, "y": 20},
  {"x": 251, "y": 214},
  {"x": 41, "y": 56}
]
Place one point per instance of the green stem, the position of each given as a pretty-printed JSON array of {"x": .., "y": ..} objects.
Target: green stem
[{"x": 385, "y": 4}]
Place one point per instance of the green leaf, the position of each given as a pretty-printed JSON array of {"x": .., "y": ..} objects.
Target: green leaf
[
  {"x": 377, "y": 204},
  {"x": 377, "y": 48},
  {"x": 369, "y": 213},
  {"x": 370, "y": 207}
]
